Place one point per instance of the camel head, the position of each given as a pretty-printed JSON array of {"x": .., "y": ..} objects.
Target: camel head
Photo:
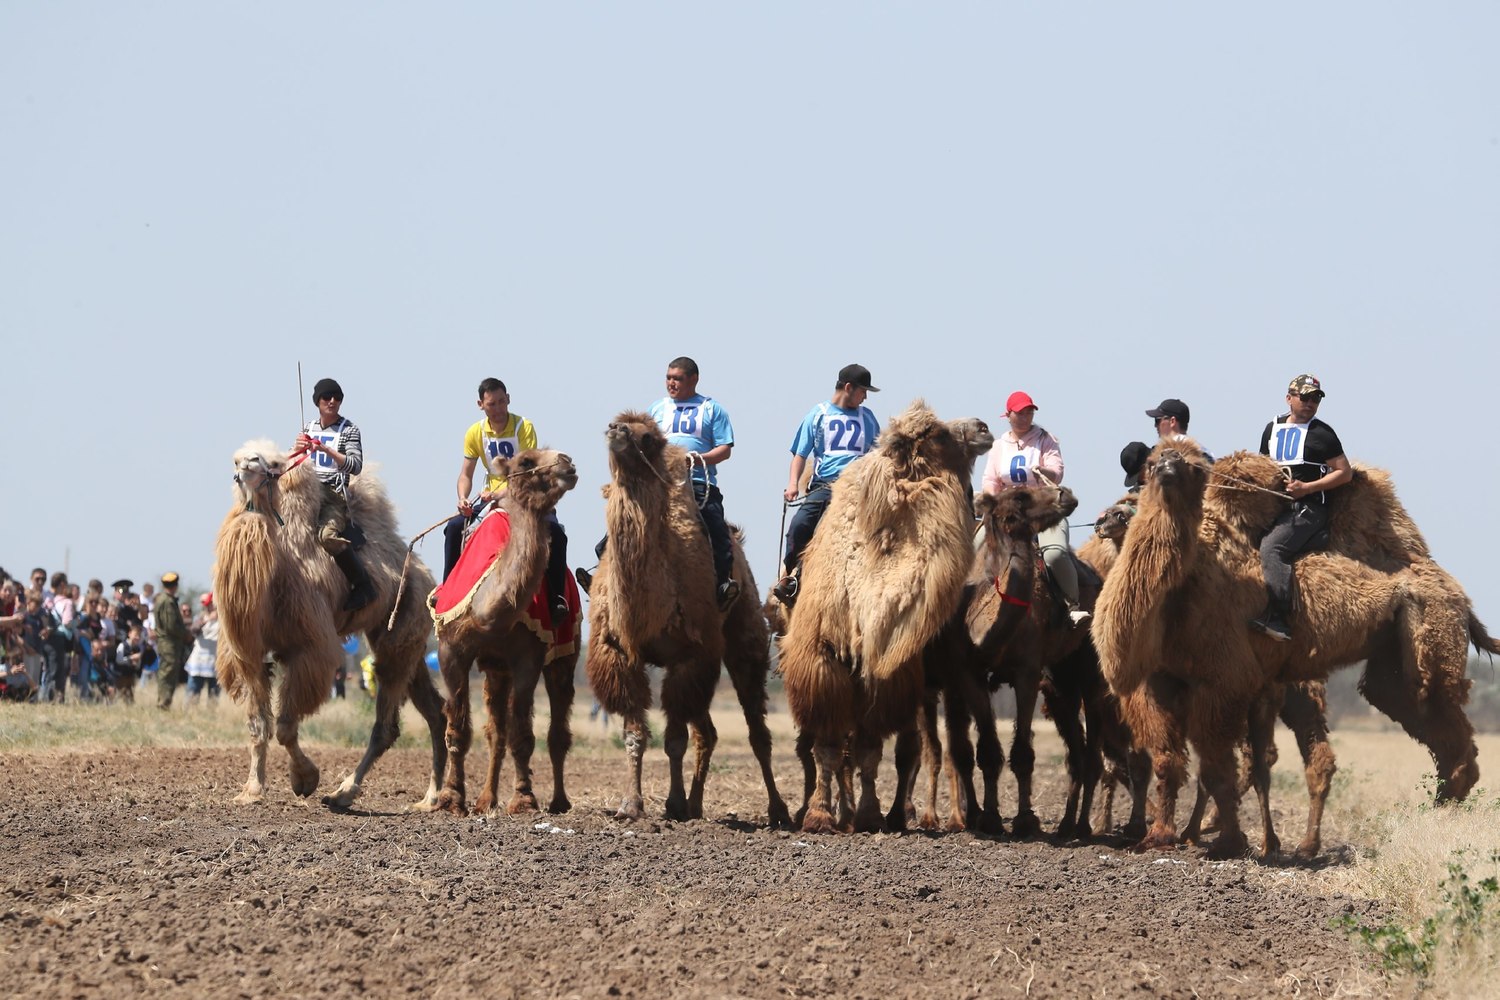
[
  {"x": 537, "y": 478},
  {"x": 1014, "y": 517},
  {"x": 1113, "y": 521},
  {"x": 635, "y": 440},
  {"x": 1176, "y": 468},
  {"x": 257, "y": 466},
  {"x": 975, "y": 436},
  {"x": 919, "y": 445}
]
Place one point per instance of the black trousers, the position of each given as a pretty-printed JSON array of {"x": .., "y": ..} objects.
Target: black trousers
[
  {"x": 805, "y": 521},
  {"x": 1294, "y": 532}
]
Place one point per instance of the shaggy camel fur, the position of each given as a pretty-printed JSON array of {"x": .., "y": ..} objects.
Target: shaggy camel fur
[
  {"x": 653, "y": 601},
  {"x": 996, "y": 600},
  {"x": 881, "y": 576},
  {"x": 494, "y": 630},
  {"x": 279, "y": 593},
  {"x": 1303, "y": 710},
  {"x": 1174, "y": 643}
]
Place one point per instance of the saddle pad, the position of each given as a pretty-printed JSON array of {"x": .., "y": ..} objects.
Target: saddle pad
[{"x": 480, "y": 556}]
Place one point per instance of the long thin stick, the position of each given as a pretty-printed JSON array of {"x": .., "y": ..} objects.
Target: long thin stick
[{"x": 301, "y": 401}]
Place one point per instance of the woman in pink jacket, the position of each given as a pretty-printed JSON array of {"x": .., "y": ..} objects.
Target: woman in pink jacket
[{"x": 1026, "y": 455}]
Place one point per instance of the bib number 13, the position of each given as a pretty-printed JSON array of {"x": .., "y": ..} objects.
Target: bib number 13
[{"x": 685, "y": 420}]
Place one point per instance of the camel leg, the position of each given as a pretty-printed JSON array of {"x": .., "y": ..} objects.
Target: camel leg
[
  {"x": 1023, "y": 754},
  {"x": 908, "y": 759},
  {"x": 705, "y": 738},
  {"x": 846, "y": 789},
  {"x": 389, "y": 697},
  {"x": 687, "y": 689},
  {"x": 1434, "y": 715},
  {"x": 985, "y": 815},
  {"x": 1093, "y": 762},
  {"x": 522, "y": 736},
  {"x": 309, "y": 677},
  {"x": 1262, "y": 760},
  {"x": 867, "y": 750},
  {"x": 1303, "y": 714},
  {"x": 818, "y": 816},
  {"x": 1155, "y": 716},
  {"x": 963, "y": 804},
  {"x": 637, "y": 738},
  {"x": 932, "y": 761},
  {"x": 257, "y": 684},
  {"x": 1192, "y": 833},
  {"x": 1213, "y": 731},
  {"x": 459, "y": 733},
  {"x": 1065, "y": 707},
  {"x": 427, "y": 701},
  {"x": 748, "y": 667},
  {"x": 1106, "y": 814},
  {"x": 1138, "y": 775},
  {"x": 558, "y": 678},
  {"x": 804, "y": 748},
  {"x": 675, "y": 742},
  {"x": 497, "y": 698}
]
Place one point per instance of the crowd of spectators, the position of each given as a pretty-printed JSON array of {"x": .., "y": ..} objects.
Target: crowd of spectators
[{"x": 60, "y": 640}]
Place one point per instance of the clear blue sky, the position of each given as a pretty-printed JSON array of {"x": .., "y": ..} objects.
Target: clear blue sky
[{"x": 1103, "y": 204}]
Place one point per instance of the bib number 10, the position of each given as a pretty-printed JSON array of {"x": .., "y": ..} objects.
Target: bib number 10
[{"x": 1288, "y": 444}]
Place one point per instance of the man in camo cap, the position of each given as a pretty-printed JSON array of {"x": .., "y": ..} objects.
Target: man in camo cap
[{"x": 1312, "y": 458}]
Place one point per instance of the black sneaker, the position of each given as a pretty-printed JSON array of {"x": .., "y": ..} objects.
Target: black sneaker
[
  {"x": 786, "y": 590},
  {"x": 560, "y": 611},
  {"x": 728, "y": 591},
  {"x": 1272, "y": 625},
  {"x": 585, "y": 578}
]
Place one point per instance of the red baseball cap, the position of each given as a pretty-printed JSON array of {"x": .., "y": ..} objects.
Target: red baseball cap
[{"x": 1018, "y": 401}]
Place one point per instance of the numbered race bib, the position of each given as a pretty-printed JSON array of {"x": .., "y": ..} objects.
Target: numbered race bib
[
  {"x": 844, "y": 435},
  {"x": 1288, "y": 442},
  {"x": 1019, "y": 472},
  {"x": 685, "y": 420},
  {"x": 328, "y": 436},
  {"x": 497, "y": 447}
]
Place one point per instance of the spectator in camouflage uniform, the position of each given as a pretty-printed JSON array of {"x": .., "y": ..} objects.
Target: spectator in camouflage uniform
[{"x": 173, "y": 640}]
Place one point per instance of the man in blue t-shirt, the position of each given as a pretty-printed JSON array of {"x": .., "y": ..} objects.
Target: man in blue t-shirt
[
  {"x": 699, "y": 424},
  {"x": 833, "y": 434}
]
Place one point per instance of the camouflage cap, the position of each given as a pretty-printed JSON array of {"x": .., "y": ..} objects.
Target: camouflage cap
[{"x": 1304, "y": 384}]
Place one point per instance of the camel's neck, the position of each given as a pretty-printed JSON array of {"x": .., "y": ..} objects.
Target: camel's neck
[
  {"x": 635, "y": 518},
  {"x": 514, "y": 582},
  {"x": 1017, "y": 577}
]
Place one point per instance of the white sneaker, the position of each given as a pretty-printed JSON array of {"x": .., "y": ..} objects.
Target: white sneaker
[{"x": 1078, "y": 615}]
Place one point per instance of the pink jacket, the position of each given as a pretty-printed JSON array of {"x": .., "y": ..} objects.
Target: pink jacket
[{"x": 1012, "y": 463}]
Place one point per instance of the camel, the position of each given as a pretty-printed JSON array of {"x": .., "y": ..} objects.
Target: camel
[
  {"x": 879, "y": 579},
  {"x": 279, "y": 593},
  {"x": 1172, "y": 629},
  {"x": 996, "y": 600},
  {"x": 493, "y": 627},
  {"x": 653, "y": 601}
]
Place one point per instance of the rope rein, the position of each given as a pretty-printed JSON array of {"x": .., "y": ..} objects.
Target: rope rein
[{"x": 1244, "y": 486}]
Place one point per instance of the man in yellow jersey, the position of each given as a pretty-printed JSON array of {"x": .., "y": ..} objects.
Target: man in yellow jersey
[{"x": 501, "y": 434}]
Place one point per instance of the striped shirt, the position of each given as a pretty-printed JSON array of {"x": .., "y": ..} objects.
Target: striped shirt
[{"x": 342, "y": 437}]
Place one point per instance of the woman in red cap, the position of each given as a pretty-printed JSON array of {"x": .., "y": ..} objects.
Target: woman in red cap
[{"x": 1026, "y": 455}]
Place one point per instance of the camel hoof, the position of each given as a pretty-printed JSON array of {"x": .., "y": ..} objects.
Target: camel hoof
[
  {"x": 956, "y": 823},
  {"x": 818, "y": 821},
  {"x": 869, "y": 822},
  {"x": 630, "y": 809},
  {"x": 990, "y": 824},
  {"x": 676, "y": 810},
  {"x": 559, "y": 804},
  {"x": 777, "y": 818},
  {"x": 1270, "y": 848},
  {"x": 450, "y": 801},
  {"x": 1227, "y": 847},
  {"x": 928, "y": 821},
  {"x": 895, "y": 821},
  {"x": 423, "y": 805},
  {"x": 342, "y": 799},
  {"x": 1065, "y": 831},
  {"x": 306, "y": 783},
  {"x": 1025, "y": 825},
  {"x": 248, "y": 797},
  {"x": 522, "y": 804},
  {"x": 485, "y": 804},
  {"x": 1307, "y": 850},
  {"x": 1159, "y": 841}
]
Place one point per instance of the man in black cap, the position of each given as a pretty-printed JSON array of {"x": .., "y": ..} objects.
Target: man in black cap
[
  {"x": 173, "y": 640},
  {"x": 337, "y": 453},
  {"x": 1312, "y": 458},
  {"x": 833, "y": 434},
  {"x": 127, "y": 613},
  {"x": 1171, "y": 419},
  {"x": 1133, "y": 460}
]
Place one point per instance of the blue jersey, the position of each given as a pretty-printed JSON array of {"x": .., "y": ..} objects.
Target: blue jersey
[
  {"x": 835, "y": 437},
  {"x": 698, "y": 424}
]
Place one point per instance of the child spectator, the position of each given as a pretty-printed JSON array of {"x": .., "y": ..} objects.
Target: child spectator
[{"x": 205, "y": 654}]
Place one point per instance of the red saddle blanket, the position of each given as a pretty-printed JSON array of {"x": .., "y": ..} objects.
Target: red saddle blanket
[{"x": 478, "y": 560}]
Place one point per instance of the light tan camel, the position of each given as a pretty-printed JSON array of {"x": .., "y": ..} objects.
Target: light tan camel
[
  {"x": 881, "y": 576},
  {"x": 653, "y": 601},
  {"x": 493, "y": 629},
  {"x": 1174, "y": 643},
  {"x": 279, "y": 593}
]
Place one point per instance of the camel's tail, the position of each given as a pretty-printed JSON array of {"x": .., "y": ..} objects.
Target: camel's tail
[
  {"x": 1480, "y": 636},
  {"x": 244, "y": 566}
]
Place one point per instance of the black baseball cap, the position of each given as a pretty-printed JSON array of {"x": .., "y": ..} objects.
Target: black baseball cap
[
  {"x": 123, "y": 584},
  {"x": 1133, "y": 461},
  {"x": 327, "y": 387},
  {"x": 858, "y": 374},
  {"x": 1170, "y": 408}
]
